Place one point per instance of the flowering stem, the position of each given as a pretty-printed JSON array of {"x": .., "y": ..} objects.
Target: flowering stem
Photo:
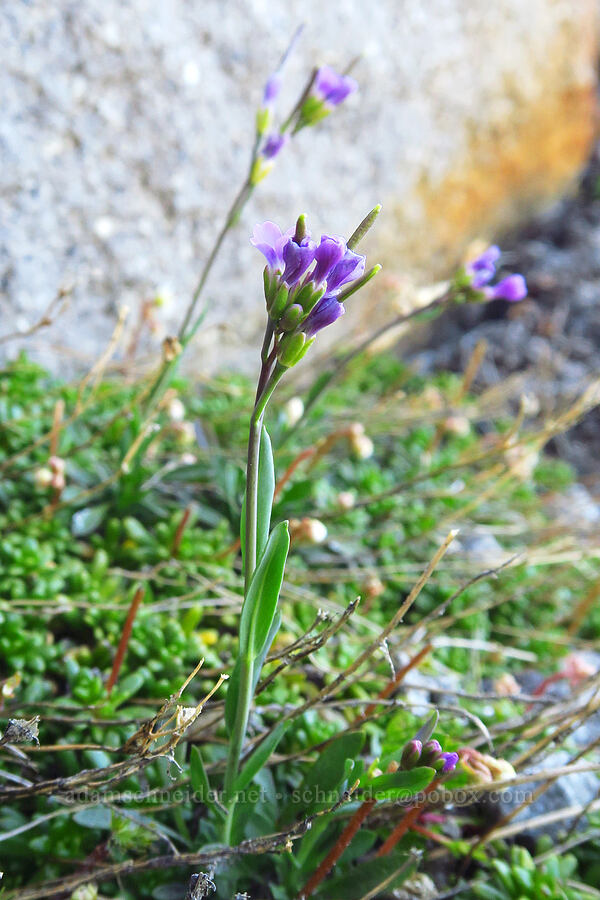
[{"x": 246, "y": 661}]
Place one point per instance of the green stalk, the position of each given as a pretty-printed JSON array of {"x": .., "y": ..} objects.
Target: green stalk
[{"x": 246, "y": 661}]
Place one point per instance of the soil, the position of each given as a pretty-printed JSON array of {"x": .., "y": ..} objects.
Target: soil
[{"x": 553, "y": 337}]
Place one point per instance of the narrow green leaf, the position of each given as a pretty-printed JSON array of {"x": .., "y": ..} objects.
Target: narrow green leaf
[
  {"x": 425, "y": 731},
  {"x": 260, "y": 756},
  {"x": 266, "y": 490},
  {"x": 400, "y": 785},
  {"x": 231, "y": 698},
  {"x": 198, "y": 776},
  {"x": 361, "y": 881},
  {"x": 260, "y": 604},
  {"x": 323, "y": 780}
]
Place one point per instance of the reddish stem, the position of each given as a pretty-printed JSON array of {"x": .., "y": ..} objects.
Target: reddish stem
[
  {"x": 338, "y": 848},
  {"x": 122, "y": 648},
  {"x": 407, "y": 822},
  {"x": 306, "y": 454},
  {"x": 179, "y": 533}
]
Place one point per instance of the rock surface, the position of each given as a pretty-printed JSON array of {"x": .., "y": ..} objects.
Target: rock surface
[
  {"x": 549, "y": 343},
  {"x": 126, "y": 129}
]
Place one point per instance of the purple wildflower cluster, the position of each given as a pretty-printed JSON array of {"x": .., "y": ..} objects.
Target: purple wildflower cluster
[
  {"x": 306, "y": 282},
  {"x": 482, "y": 270},
  {"x": 428, "y": 754},
  {"x": 328, "y": 90}
]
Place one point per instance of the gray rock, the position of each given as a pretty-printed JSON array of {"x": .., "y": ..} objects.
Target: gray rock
[
  {"x": 569, "y": 790},
  {"x": 126, "y": 129}
]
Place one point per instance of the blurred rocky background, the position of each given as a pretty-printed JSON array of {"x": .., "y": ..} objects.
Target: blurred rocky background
[{"x": 125, "y": 130}]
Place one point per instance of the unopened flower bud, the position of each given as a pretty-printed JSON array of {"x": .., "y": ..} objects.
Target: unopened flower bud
[
  {"x": 576, "y": 668},
  {"x": 431, "y": 752},
  {"x": 411, "y": 754},
  {"x": 291, "y": 317},
  {"x": 57, "y": 464},
  {"x": 373, "y": 587},
  {"x": 363, "y": 447},
  {"x": 309, "y": 531},
  {"x": 279, "y": 302},
  {"x": 292, "y": 349},
  {"x": 176, "y": 410},
  {"x": 43, "y": 477},
  {"x": 85, "y": 892},
  {"x": 293, "y": 411},
  {"x": 506, "y": 685},
  {"x": 446, "y": 763},
  {"x": 186, "y": 432},
  {"x": 458, "y": 425},
  {"x": 346, "y": 500}
]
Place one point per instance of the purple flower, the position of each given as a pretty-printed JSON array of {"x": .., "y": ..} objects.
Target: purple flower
[
  {"x": 450, "y": 761},
  {"x": 297, "y": 259},
  {"x": 331, "y": 87},
  {"x": 270, "y": 240},
  {"x": 274, "y": 144},
  {"x": 272, "y": 89},
  {"x": 327, "y": 255},
  {"x": 512, "y": 288},
  {"x": 350, "y": 267},
  {"x": 327, "y": 311},
  {"x": 482, "y": 270}
]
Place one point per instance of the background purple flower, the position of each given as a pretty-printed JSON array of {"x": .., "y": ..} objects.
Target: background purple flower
[
  {"x": 272, "y": 89},
  {"x": 513, "y": 288},
  {"x": 450, "y": 761},
  {"x": 331, "y": 87},
  {"x": 483, "y": 269},
  {"x": 274, "y": 144}
]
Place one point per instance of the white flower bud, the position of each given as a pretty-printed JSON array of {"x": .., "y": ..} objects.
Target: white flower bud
[
  {"x": 308, "y": 531},
  {"x": 43, "y": 478},
  {"x": 57, "y": 465},
  {"x": 176, "y": 410},
  {"x": 293, "y": 411},
  {"x": 346, "y": 499},
  {"x": 362, "y": 446},
  {"x": 506, "y": 685},
  {"x": 186, "y": 432},
  {"x": 458, "y": 425}
]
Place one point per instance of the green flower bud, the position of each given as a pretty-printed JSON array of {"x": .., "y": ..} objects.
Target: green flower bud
[
  {"x": 290, "y": 349},
  {"x": 279, "y": 303},
  {"x": 263, "y": 120},
  {"x": 411, "y": 754},
  {"x": 291, "y": 317},
  {"x": 301, "y": 229},
  {"x": 307, "y": 297}
]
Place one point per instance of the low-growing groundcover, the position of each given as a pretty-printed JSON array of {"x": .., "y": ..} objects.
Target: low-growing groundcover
[{"x": 117, "y": 579}]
